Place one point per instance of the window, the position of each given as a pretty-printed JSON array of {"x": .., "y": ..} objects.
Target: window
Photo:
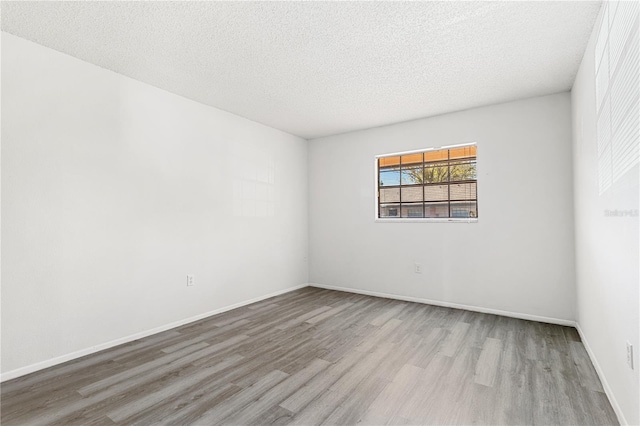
[
  {"x": 617, "y": 54},
  {"x": 432, "y": 184}
]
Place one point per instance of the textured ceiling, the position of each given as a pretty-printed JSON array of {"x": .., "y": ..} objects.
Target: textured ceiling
[{"x": 320, "y": 68}]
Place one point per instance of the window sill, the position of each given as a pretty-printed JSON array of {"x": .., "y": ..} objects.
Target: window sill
[{"x": 432, "y": 220}]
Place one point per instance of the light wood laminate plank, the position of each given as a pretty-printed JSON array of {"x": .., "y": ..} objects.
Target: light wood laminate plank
[{"x": 316, "y": 356}]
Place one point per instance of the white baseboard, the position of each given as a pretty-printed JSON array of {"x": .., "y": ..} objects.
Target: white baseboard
[
  {"x": 97, "y": 348},
  {"x": 518, "y": 315},
  {"x": 603, "y": 379}
]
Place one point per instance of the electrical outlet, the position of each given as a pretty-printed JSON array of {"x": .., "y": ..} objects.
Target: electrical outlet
[
  {"x": 417, "y": 268},
  {"x": 189, "y": 280},
  {"x": 630, "y": 355}
]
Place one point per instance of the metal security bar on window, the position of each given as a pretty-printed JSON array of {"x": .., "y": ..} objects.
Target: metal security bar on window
[{"x": 429, "y": 184}]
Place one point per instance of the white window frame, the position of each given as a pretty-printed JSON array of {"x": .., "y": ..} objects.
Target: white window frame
[{"x": 419, "y": 219}]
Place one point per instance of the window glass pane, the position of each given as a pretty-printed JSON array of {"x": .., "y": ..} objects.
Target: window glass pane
[
  {"x": 389, "y": 210},
  {"x": 463, "y": 191},
  {"x": 411, "y": 194},
  {"x": 411, "y": 175},
  {"x": 436, "y": 209},
  {"x": 412, "y": 159},
  {"x": 463, "y": 170},
  {"x": 436, "y": 193},
  {"x": 388, "y": 161},
  {"x": 389, "y": 195},
  {"x": 389, "y": 177},
  {"x": 412, "y": 210},
  {"x": 464, "y": 209},
  {"x": 439, "y": 155},
  {"x": 462, "y": 152},
  {"x": 436, "y": 173}
]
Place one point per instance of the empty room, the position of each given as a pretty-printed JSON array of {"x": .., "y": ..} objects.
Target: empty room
[{"x": 337, "y": 213}]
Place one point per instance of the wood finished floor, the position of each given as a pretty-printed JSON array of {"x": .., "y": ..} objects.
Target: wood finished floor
[{"x": 317, "y": 356}]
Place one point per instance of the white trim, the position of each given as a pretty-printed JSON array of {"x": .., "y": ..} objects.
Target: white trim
[
  {"x": 93, "y": 349},
  {"x": 457, "y": 145},
  {"x": 414, "y": 151},
  {"x": 603, "y": 379},
  {"x": 427, "y": 219},
  {"x": 518, "y": 315},
  {"x": 376, "y": 195}
]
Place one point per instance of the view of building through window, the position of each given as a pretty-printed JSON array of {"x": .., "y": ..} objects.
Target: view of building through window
[{"x": 429, "y": 184}]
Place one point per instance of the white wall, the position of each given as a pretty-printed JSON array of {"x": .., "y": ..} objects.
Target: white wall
[
  {"x": 113, "y": 190},
  {"x": 607, "y": 255},
  {"x": 518, "y": 257}
]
